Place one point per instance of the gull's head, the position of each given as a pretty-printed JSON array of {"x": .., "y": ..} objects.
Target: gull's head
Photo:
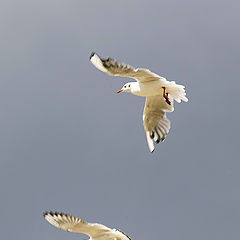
[{"x": 126, "y": 87}]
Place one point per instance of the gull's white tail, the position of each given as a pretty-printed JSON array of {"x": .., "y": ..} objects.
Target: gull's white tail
[{"x": 176, "y": 91}]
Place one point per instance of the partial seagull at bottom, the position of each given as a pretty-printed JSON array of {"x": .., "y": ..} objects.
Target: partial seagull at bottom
[
  {"x": 159, "y": 92},
  {"x": 95, "y": 231}
]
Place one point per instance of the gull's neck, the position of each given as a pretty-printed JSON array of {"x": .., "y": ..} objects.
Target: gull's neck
[{"x": 135, "y": 88}]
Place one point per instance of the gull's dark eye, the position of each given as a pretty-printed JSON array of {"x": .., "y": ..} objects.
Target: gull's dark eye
[{"x": 125, "y": 86}]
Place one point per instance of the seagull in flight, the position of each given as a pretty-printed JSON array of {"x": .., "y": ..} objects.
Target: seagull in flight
[
  {"x": 95, "y": 231},
  {"x": 159, "y": 92}
]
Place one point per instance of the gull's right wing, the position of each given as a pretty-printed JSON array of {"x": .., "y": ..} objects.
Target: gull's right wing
[{"x": 115, "y": 68}]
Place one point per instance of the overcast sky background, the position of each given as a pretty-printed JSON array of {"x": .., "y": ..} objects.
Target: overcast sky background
[{"x": 69, "y": 143}]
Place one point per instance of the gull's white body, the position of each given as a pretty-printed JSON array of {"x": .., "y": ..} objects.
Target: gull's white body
[
  {"x": 95, "y": 231},
  {"x": 151, "y": 86},
  {"x": 147, "y": 89}
]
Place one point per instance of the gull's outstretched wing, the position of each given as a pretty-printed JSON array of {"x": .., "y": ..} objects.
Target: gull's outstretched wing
[
  {"x": 155, "y": 121},
  {"x": 115, "y": 68},
  {"x": 74, "y": 224}
]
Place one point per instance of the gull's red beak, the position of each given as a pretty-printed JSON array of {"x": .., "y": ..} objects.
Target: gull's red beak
[{"x": 119, "y": 91}]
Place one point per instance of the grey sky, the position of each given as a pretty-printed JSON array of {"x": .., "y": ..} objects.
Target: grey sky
[{"x": 68, "y": 142}]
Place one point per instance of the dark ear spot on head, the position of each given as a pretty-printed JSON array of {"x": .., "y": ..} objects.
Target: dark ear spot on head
[{"x": 129, "y": 85}]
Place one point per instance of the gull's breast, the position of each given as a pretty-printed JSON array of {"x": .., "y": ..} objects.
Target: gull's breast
[{"x": 151, "y": 88}]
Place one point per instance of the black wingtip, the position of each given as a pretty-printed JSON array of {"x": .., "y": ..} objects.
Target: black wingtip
[
  {"x": 51, "y": 213},
  {"x": 152, "y": 151},
  {"x": 92, "y": 54},
  {"x": 45, "y": 213}
]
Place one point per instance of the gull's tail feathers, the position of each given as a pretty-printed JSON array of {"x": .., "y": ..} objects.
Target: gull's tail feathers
[{"x": 176, "y": 91}]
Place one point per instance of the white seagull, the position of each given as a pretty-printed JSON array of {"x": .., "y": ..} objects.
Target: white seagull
[
  {"x": 160, "y": 95},
  {"x": 95, "y": 231}
]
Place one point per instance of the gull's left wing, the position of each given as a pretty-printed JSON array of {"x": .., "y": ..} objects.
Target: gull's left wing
[{"x": 155, "y": 121}]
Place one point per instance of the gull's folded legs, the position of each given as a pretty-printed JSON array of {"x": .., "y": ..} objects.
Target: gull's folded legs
[{"x": 165, "y": 95}]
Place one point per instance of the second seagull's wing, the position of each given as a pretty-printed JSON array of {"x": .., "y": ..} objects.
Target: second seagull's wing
[{"x": 74, "y": 224}]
